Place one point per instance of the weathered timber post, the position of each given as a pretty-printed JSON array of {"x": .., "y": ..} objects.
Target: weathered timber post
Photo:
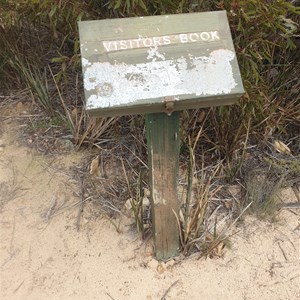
[
  {"x": 158, "y": 66},
  {"x": 163, "y": 156}
]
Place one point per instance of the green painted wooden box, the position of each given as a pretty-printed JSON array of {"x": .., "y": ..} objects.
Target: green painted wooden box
[{"x": 141, "y": 65}]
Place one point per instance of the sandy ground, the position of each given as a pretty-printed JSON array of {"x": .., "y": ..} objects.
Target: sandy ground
[{"x": 43, "y": 256}]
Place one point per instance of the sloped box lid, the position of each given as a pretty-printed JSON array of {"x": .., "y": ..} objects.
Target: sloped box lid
[{"x": 136, "y": 65}]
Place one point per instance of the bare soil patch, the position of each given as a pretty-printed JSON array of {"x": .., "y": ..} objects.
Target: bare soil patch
[{"x": 43, "y": 255}]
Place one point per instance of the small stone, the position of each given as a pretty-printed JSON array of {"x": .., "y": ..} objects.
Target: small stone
[
  {"x": 128, "y": 205},
  {"x": 146, "y": 203},
  {"x": 170, "y": 263},
  {"x": 149, "y": 251},
  {"x": 153, "y": 264},
  {"x": 161, "y": 268},
  {"x": 127, "y": 209},
  {"x": 146, "y": 226}
]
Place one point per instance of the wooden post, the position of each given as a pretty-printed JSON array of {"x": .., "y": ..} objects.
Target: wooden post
[{"x": 163, "y": 152}]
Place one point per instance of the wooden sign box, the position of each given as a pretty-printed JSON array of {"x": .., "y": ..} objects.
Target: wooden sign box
[
  {"x": 159, "y": 63},
  {"x": 152, "y": 65}
]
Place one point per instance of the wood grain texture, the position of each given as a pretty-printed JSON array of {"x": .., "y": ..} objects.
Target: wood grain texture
[{"x": 163, "y": 152}]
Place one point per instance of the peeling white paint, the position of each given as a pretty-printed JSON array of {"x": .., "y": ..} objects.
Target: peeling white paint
[
  {"x": 85, "y": 62},
  {"x": 153, "y": 54},
  {"x": 122, "y": 84}
]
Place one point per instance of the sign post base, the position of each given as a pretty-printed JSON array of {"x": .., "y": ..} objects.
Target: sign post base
[{"x": 163, "y": 151}]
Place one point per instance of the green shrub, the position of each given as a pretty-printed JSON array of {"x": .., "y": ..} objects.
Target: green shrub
[{"x": 43, "y": 33}]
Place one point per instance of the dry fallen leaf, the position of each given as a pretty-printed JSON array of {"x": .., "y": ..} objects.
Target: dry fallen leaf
[
  {"x": 219, "y": 250},
  {"x": 216, "y": 251},
  {"x": 209, "y": 238},
  {"x": 228, "y": 204},
  {"x": 281, "y": 147},
  {"x": 94, "y": 169},
  {"x": 201, "y": 116},
  {"x": 181, "y": 217},
  {"x": 74, "y": 113}
]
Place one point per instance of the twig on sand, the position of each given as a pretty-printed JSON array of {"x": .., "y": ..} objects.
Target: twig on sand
[
  {"x": 18, "y": 287},
  {"x": 110, "y": 296},
  {"x": 80, "y": 207},
  {"x": 168, "y": 290},
  {"x": 51, "y": 209},
  {"x": 290, "y": 205},
  {"x": 72, "y": 205},
  {"x": 12, "y": 251},
  {"x": 283, "y": 253},
  {"x": 11, "y": 246}
]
